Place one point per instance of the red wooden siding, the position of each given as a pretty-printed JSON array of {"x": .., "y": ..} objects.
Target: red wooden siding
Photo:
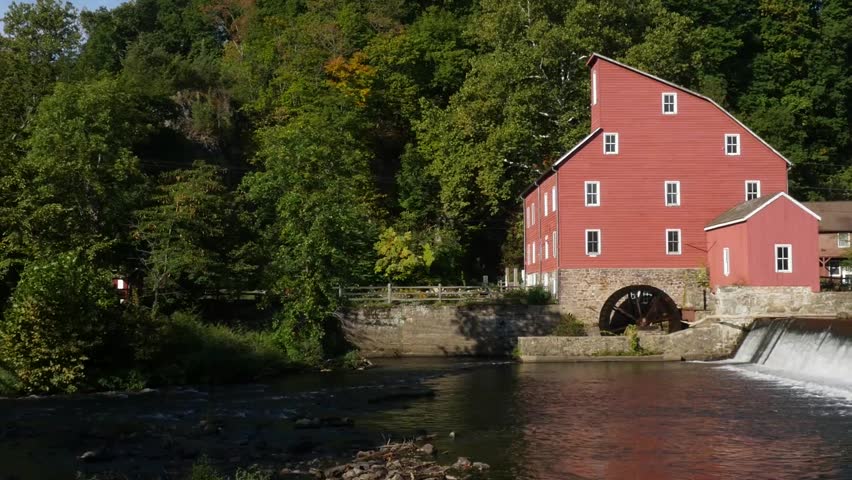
[
  {"x": 783, "y": 222},
  {"x": 752, "y": 246},
  {"x": 687, "y": 147},
  {"x": 735, "y": 238}
]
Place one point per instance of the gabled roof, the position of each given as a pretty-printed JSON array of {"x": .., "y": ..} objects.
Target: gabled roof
[
  {"x": 836, "y": 216},
  {"x": 565, "y": 156},
  {"x": 746, "y": 210},
  {"x": 690, "y": 92}
]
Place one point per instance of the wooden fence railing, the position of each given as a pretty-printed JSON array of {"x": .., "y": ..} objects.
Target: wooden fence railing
[{"x": 437, "y": 293}]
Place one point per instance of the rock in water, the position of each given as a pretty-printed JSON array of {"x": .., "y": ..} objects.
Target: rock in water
[{"x": 428, "y": 449}]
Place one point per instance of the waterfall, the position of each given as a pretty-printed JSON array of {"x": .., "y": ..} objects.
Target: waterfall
[{"x": 813, "y": 348}]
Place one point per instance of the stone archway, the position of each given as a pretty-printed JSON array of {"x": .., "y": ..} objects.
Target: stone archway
[{"x": 641, "y": 305}]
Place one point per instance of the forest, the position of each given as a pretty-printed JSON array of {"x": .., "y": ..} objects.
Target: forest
[{"x": 206, "y": 148}]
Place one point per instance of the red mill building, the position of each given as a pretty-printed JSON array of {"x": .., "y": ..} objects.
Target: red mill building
[{"x": 668, "y": 195}]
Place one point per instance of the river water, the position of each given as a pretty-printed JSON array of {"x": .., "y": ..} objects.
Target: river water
[{"x": 528, "y": 421}]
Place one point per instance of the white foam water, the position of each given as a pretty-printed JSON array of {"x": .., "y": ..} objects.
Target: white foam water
[{"x": 807, "y": 356}]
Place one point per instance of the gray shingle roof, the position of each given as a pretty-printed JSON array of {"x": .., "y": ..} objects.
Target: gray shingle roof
[
  {"x": 740, "y": 212},
  {"x": 836, "y": 216}
]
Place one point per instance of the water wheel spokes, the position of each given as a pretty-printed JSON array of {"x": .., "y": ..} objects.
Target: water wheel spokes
[{"x": 639, "y": 305}]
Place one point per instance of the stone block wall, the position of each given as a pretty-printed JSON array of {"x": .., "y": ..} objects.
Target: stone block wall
[
  {"x": 444, "y": 330},
  {"x": 779, "y": 301},
  {"x": 583, "y": 292}
]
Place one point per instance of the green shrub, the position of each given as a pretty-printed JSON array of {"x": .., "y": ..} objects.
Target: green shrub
[
  {"x": 537, "y": 295},
  {"x": 57, "y": 318},
  {"x": 300, "y": 335},
  {"x": 569, "y": 326},
  {"x": 9, "y": 384},
  {"x": 632, "y": 334},
  {"x": 192, "y": 351}
]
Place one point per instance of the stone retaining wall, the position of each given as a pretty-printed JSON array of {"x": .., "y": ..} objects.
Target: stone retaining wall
[
  {"x": 780, "y": 301},
  {"x": 583, "y": 292},
  {"x": 712, "y": 340},
  {"x": 444, "y": 330}
]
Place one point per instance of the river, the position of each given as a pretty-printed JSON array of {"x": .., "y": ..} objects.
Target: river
[{"x": 528, "y": 421}]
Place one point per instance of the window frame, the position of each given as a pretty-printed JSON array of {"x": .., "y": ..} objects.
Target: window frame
[
  {"x": 666, "y": 184},
  {"x": 848, "y": 240},
  {"x": 545, "y": 204},
  {"x": 674, "y": 103},
  {"x": 726, "y": 261},
  {"x": 752, "y": 182},
  {"x": 737, "y": 143},
  {"x": 597, "y": 194},
  {"x": 789, "y": 257},
  {"x": 553, "y": 198},
  {"x": 532, "y": 217},
  {"x": 594, "y": 87},
  {"x": 547, "y": 247},
  {"x": 554, "y": 239},
  {"x": 679, "y": 241},
  {"x": 614, "y": 135},
  {"x": 597, "y": 231}
]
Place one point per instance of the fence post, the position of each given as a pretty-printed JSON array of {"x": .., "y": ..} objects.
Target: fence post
[
  {"x": 440, "y": 293},
  {"x": 515, "y": 277},
  {"x": 390, "y": 295}
]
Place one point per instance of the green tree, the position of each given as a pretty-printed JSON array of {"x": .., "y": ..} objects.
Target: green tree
[
  {"x": 79, "y": 181},
  {"x": 184, "y": 235},
  {"x": 57, "y": 319}
]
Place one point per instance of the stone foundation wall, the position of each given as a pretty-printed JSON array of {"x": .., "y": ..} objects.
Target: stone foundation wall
[
  {"x": 710, "y": 341},
  {"x": 780, "y": 301},
  {"x": 445, "y": 330},
  {"x": 583, "y": 292}
]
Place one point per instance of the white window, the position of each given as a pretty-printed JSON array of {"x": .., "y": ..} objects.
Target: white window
[
  {"x": 545, "y": 204},
  {"x": 546, "y": 247},
  {"x": 843, "y": 240},
  {"x": 593, "y": 194},
  {"x": 593, "y": 242},
  {"x": 532, "y": 217},
  {"x": 783, "y": 258},
  {"x": 533, "y": 253},
  {"x": 672, "y": 193},
  {"x": 610, "y": 143},
  {"x": 553, "y": 198},
  {"x": 673, "y": 242},
  {"x": 752, "y": 189},
  {"x": 726, "y": 261},
  {"x": 669, "y": 103},
  {"x": 555, "y": 244},
  {"x": 732, "y": 144},
  {"x": 594, "y": 88}
]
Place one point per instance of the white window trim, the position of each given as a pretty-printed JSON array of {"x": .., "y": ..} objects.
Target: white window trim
[
  {"x": 666, "y": 193},
  {"x": 533, "y": 253},
  {"x": 663, "y": 103},
  {"x": 594, "y": 87},
  {"x": 789, "y": 257},
  {"x": 679, "y": 241},
  {"x": 726, "y": 261},
  {"x": 586, "y": 242},
  {"x": 555, "y": 239},
  {"x": 747, "y": 182},
  {"x": 553, "y": 198},
  {"x": 546, "y": 247},
  {"x": 848, "y": 240},
  {"x": 739, "y": 145},
  {"x": 532, "y": 217},
  {"x": 597, "y": 185},
  {"x": 545, "y": 204},
  {"x": 613, "y": 134}
]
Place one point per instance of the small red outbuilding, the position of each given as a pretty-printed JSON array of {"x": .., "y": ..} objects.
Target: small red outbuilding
[{"x": 768, "y": 241}]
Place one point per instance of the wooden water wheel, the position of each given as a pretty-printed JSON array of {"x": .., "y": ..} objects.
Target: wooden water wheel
[{"x": 639, "y": 305}]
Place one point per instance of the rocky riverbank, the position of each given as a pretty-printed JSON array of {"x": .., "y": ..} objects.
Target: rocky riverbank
[{"x": 393, "y": 461}]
